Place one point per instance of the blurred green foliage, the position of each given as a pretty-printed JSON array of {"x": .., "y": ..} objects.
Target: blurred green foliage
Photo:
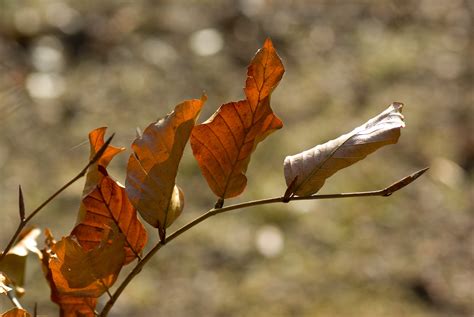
[{"x": 67, "y": 67}]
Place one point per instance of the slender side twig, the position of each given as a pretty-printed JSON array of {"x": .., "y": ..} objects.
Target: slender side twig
[
  {"x": 387, "y": 191},
  {"x": 24, "y": 221},
  {"x": 12, "y": 296}
]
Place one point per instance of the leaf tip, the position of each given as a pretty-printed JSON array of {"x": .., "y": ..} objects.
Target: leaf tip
[
  {"x": 268, "y": 43},
  {"x": 404, "y": 182},
  {"x": 96, "y": 134},
  {"x": 397, "y": 105},
  {"x": 203, "y": 97},
  {"x": 419, "y": 173}
]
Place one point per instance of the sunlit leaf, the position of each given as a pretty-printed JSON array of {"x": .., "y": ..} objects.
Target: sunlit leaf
[
  {"x": 96, "y": 141},
  {"x": 87, "y": 273},
  {"x": 4, "y": 282},
  {"x": 69, "y": 305},
  {"x": 14, "y": 262},
  {"x": 223, "y": 144},
  {"x": 75, "y": 306},
  {"x": 106, "y": 206},
  {"x": 153, "y": 165},
  {"x": 311, "y": 168},
  {"x": 16, "y": 312}
]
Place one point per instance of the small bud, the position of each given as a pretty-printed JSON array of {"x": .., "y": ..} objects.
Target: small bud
[{"x": 21, "y": 204}]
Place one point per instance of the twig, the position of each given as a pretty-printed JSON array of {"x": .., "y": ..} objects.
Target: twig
[
  {"x": 24, "y": 221},
  {"x": 283, "y": 199},
  {"x": 137, "y": 269},
  {"x": 12, "y": 296},
  {"x": 21, "y": 204}
]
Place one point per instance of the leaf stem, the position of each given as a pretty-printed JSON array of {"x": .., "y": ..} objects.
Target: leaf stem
[
  {"x": 81, "y": 174},
  {"x": 387, "y": 191}
]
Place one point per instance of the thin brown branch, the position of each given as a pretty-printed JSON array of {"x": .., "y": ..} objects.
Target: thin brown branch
[
  {"x": 81, "y": 174},
  {"x": 387, "y": 191},
  {"x": 137, "y": 269},
  {"x": 12, "y": 296}
]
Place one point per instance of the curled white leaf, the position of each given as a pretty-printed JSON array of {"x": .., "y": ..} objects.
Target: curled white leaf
[{"x": 312, "y": 167}]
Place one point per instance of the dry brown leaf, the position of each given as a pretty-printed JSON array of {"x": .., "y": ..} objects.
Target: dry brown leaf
[
  {"x": 153, "y": 166},
  {"x": 87, "y": 273},
  {"x": 93, "y": 176},
  {"x": 106, "y": 206},
  {"x": 14, "y": 262},
  {"x": 69, "y": 305},
  {"x": 16, "y": 312},
  {"x": 74, "y": 306},
  {"x": 223, "y": 144},
  {"x": 96, "y": 141},
  {"x": 314, "y": 166},
  {"x": 4, "y": 282}
]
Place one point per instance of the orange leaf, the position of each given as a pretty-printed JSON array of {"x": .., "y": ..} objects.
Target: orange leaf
[
  {"x": 87, "y": 273},
  {"x": 223, "y": 144},
  {"x": 74, "y": 306},
  {"x": 93, "y": 177},
  {"x": 153, "y": 166},
  {"x": 69, "y": 305},
  {"x": 96, "y": 140},
  {"x": 16, "y": 312},
  {"x": 106, "y": 206}
]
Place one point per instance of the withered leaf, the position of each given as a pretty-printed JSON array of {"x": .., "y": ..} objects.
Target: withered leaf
[
  {"x": 93, "y": 176},
  {"x": 106, "y": 206},
  {"x": 87, "y": 273},
  {"x": 96, "y": 141},
  {"x": 4, "y": 281},
  {"x": 75, "y": 306},
  {"x": 16, "y": 312},
  {"x": 153, "y": 165},
  {"x": 223, "y": 144},
  {"x": 14, "y": 262},
  {"x": 314, "y": 166},
  {"x": 69, "y": 305}
]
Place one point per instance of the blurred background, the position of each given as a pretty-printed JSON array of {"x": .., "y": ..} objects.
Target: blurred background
[{"x": 67, "y": 67}]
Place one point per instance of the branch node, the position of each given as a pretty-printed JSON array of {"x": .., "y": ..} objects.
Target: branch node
[
  {"x": 162, "y": 234},
  {"x": 290, "y": 191},
  {"x": 219, "y": 204}
]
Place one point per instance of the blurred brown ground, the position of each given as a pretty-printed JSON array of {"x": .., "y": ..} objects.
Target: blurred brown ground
[{"x": 67, "y": 67}]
